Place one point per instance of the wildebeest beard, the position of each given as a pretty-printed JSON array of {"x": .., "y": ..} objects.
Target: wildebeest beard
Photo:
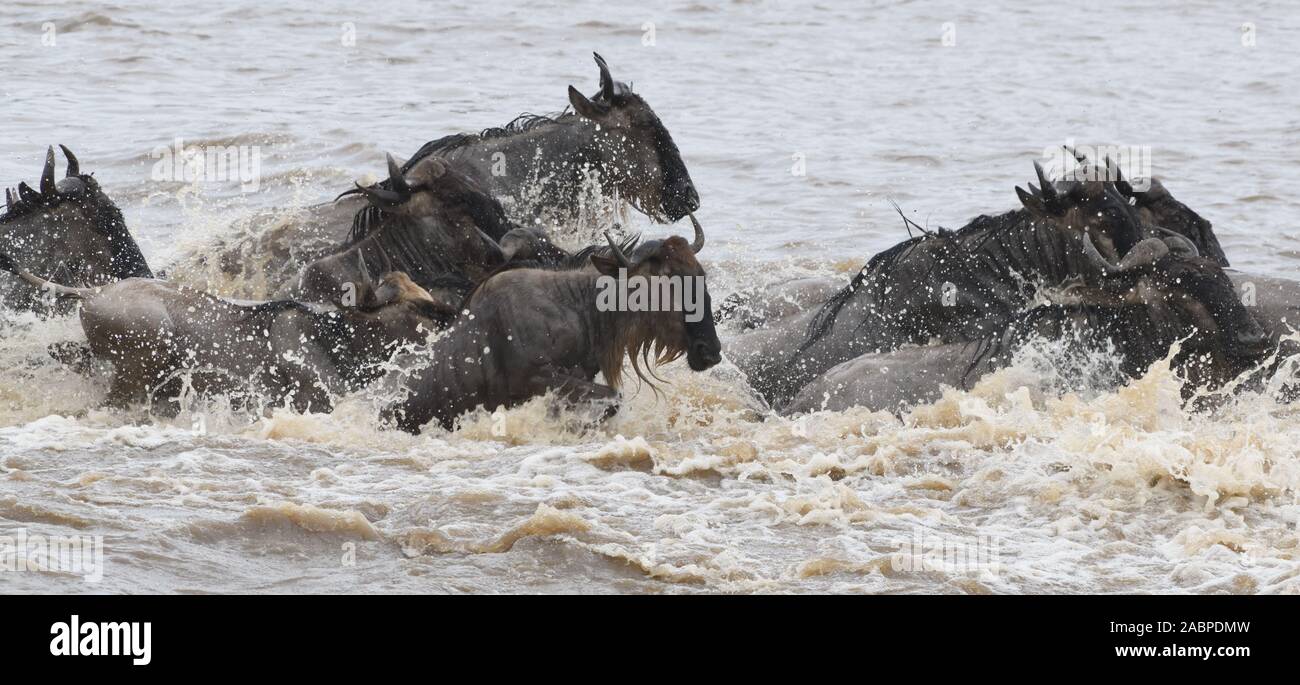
[{"x": 636, "y": 335}]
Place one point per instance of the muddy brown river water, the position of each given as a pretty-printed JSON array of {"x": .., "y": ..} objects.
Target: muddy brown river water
[{"x": 942, "y": 107}]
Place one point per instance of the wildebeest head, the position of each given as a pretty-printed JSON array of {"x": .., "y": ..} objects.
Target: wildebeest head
[
  {"x": 1157, "y": 208},
  {"x": 407, "y": 310},
  {"x": 531, "y": 244},
  {"x": 69, "y": 229},
  {"x": 429, "y": 187},
  {"x": 1184, "y": 293},
  {"x": 431, "y": 221},
  {"x": 639, "y": 153},
  {"x": 670, "y": 331},
  {"x": 1091, "y": 207},
  {"x": 394, "y": 312}
]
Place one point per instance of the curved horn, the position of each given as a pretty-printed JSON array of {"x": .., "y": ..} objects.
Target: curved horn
[
  {"x": 1178, "y": 243},
  {"x": 387, "y": 197},
  {"x": 350, "y": 191},
  {"x": 47, "y": 174},
  {"x": 1084, "y": 171},
  {"x": 699, "y": 234},
  {"x": 1113, "y": 169},
  {"x": 1049, "y": 191},
  {"x": 1094, "y": 256},
  {"x": 74, "y": 167},
  {"x": 618, "y": 254},
  {"x": 1082, "y": 159},
  {"x": 606, "y": 81},
  {"x": 396, "y": 178},
  {"x": 1124, "y": 187},
  {"x": 1145, "y": 253},
  {"x": 365, "y": 274},
  {"x": 26, "y": 194}
]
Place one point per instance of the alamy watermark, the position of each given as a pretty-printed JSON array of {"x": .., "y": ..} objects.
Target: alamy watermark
[
  {"x": 81, "y": 555},
  {"x": 927, "y": 551},
  {"x": 209, "y": 164},
  {"x": 623, "y": 293},
  {"x": 1132, "y": 163},
  {"x": 75, "y": 637}
]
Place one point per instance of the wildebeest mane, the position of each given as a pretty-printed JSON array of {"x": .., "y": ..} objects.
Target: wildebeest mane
[
  {"x": 19, "y": 209},
  {"x": 521, "y": 124},
  {"x": 826, "y": 315},
  {"x": 984, "y": 226}
]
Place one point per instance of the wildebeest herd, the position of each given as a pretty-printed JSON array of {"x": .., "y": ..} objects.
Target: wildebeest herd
[{"x": 443, "y": 273}]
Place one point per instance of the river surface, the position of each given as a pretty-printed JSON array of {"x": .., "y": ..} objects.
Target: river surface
[{"x": 799, "y": 122}]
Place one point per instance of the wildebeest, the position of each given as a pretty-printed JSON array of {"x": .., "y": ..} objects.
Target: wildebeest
[
  {"x": 1274, "y": 302},
  {"x": 433, "y": 223},
  {"x": 1157, "y": 208},
  {"x": 67, "y": 228},
  {"x": 1153, "y": 298},
  {"x": 945, "y": 286},
  {"x": 163, "y": 338},
  {"x": 528, "y": 331},
  {"x": 544, "y": 169},
  {"x": 538, "y": 165}
]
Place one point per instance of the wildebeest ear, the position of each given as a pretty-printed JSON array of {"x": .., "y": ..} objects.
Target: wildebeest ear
[
  {"x": 1032, "y": 202},
  {"x": 606, "y": 265},
  {"x": 585, "y": 107},
  {"x": 47, "y": 174},
  {"x": 26, "y": 194}
]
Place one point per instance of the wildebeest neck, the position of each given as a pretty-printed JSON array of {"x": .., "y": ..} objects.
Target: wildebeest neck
[
  {"x": 989, "y": 267},
  {"x": 577, "y": 290},
  {"x": 534, "y": 161}
]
